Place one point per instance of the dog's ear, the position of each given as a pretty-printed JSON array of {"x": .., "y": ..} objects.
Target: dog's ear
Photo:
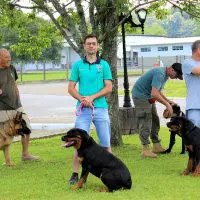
[
  {"x": 75, "y": 130},
  {"x": 18, "y": 117},
  {"x": 84, "y": 134},
  {"x": 176, "y": 109},
  {"x": 78, "y": 131},
  {"x": 81, "y": 131}
]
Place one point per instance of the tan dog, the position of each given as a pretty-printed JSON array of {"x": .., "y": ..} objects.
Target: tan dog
[{"x": 8, "y": 130}]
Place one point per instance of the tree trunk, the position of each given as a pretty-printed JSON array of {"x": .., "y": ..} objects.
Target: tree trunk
[
  {"x": 111, "y": 57},
  {"x": 110, "y": 54}
]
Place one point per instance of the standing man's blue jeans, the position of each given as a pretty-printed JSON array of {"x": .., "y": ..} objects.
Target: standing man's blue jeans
[{"x": 101, "y": 120}]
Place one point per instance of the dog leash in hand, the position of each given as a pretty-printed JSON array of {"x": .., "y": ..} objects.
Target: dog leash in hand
[{"x": 79, "y": 110}]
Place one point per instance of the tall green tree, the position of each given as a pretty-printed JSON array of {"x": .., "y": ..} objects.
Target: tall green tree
[
  {"x": 29, "y": 37},
  {"x": 176, "y": 25},
  {"x": 70, "y": 18},
  {"x": 197, "y": 31}
]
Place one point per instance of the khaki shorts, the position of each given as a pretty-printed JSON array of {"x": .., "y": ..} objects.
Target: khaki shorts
[{"x": 6, "y": 115}]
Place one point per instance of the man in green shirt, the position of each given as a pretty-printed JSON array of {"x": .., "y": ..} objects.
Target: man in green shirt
[{"x": 94, "y": 77}]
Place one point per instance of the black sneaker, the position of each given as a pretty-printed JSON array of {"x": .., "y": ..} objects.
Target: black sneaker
[{"x": 73, "y": 179}]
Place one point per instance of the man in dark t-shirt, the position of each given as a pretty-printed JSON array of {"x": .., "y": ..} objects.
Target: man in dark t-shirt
[{"x": 10, "y": 100}]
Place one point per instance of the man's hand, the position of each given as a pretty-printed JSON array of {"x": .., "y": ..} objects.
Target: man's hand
[
  {"x": 170, "y": 110},
  {"x": 171, "y": 102},
  {"x": 87, "y": 101}
]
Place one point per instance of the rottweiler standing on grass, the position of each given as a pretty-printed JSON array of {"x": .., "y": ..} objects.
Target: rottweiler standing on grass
[
  {"x": 96, "y": 160},
  {"x": 176, "y": 112},
  {"x": 191, "y": 136}
]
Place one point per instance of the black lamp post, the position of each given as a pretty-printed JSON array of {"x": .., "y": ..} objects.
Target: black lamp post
[{"x": 141, "y": 14}]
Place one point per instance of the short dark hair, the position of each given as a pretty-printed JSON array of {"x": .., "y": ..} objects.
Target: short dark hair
[
  {"x": 178, "y": 68},
  {"x": 195, "y": 46},
  {"x": 89, "y": 36}
]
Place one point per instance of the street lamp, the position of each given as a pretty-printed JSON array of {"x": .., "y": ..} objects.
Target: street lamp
[{"x": 141, "y": 14}]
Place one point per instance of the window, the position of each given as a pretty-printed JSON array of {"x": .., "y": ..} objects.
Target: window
[
  {"x": 146, "y": 49},
  {"x": 176, "y": 48},
  {"x": 128, "y": 55},
  {"x": 162, "y": 48}
]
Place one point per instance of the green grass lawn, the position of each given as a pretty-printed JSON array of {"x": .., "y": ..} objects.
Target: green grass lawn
[
  {"x": 39, "y": 76},
  {"x": 175, "y": 88},
  {"x": 153, "y": 179},
  {"x": 56, "y": 75},
  {"x": 134, "y": 73}
]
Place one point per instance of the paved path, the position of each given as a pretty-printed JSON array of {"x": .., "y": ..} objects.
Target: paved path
[{"x": 51, "y": 109}]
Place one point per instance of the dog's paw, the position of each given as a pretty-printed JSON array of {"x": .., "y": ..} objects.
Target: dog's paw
[
  {"x": 185, "y": 172},
  {"x": 196, "y": 172},
  {"x": 103, "y": 190},
  {"x": 76, "y": 187},
  {"x": 166, "y": 151},
  {"x": 9, "y": 164}
]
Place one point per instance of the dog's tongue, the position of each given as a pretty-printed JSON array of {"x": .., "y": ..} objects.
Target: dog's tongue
[{"x": 68, "y": 144}]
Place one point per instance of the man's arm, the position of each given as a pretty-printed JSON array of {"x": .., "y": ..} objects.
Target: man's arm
[
  {"x": 73, "y": 91},
  {"x": 106, "y": 90},
  {"x": 169, "y": 101},
  {"x": 155, "y": 93},
  {"x": 196, "y": 70}
]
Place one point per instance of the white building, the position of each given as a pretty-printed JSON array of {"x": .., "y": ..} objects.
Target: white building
[
  {"x": 141, "y": 51},
  {"x": 148, "y": 50}
]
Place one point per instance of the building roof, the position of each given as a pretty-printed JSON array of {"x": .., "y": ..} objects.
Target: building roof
[{"x": 140, "y": 40}]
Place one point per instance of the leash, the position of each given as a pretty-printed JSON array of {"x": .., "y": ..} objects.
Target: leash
[{"x": 79, "y": 110}]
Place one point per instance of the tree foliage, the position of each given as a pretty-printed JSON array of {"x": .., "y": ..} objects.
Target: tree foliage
[
  {"x": 176, "y": 25},
  {"x": 29, "y": 37}
]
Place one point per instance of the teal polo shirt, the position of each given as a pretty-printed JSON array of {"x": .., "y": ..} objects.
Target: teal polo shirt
[
  {"x": 90, "y": 78},
  {"x": 153, "y": 78}
]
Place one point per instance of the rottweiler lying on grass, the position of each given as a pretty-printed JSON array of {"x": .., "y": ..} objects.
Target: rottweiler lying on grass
[
  {"x": 176, "y": 112},
  {"x": 191, "y": 136},
  {"x": 96, "y": 160}
]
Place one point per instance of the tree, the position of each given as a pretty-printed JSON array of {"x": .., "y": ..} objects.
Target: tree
[
  {"x": 103, "y": 21},
  {"x": 155, "y": 29},
  {"x": 177, "y": 25},
  {"x": 197, "y": 32},
  {"x": 29, "y": 37}
]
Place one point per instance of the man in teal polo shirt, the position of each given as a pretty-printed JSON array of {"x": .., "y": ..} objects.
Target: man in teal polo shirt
[
  {"x": 94, "y": 77},
  {"x": 145, "y": 92}
]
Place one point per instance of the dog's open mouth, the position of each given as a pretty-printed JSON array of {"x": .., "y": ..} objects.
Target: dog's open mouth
[{"x": 69, "y": 144}]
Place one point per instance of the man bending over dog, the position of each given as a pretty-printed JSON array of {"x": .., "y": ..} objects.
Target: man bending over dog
[
  {"x": 145, "y": 92},
  {"x": 10, "y": 101},
  {"x": 94, "y": 77}
]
